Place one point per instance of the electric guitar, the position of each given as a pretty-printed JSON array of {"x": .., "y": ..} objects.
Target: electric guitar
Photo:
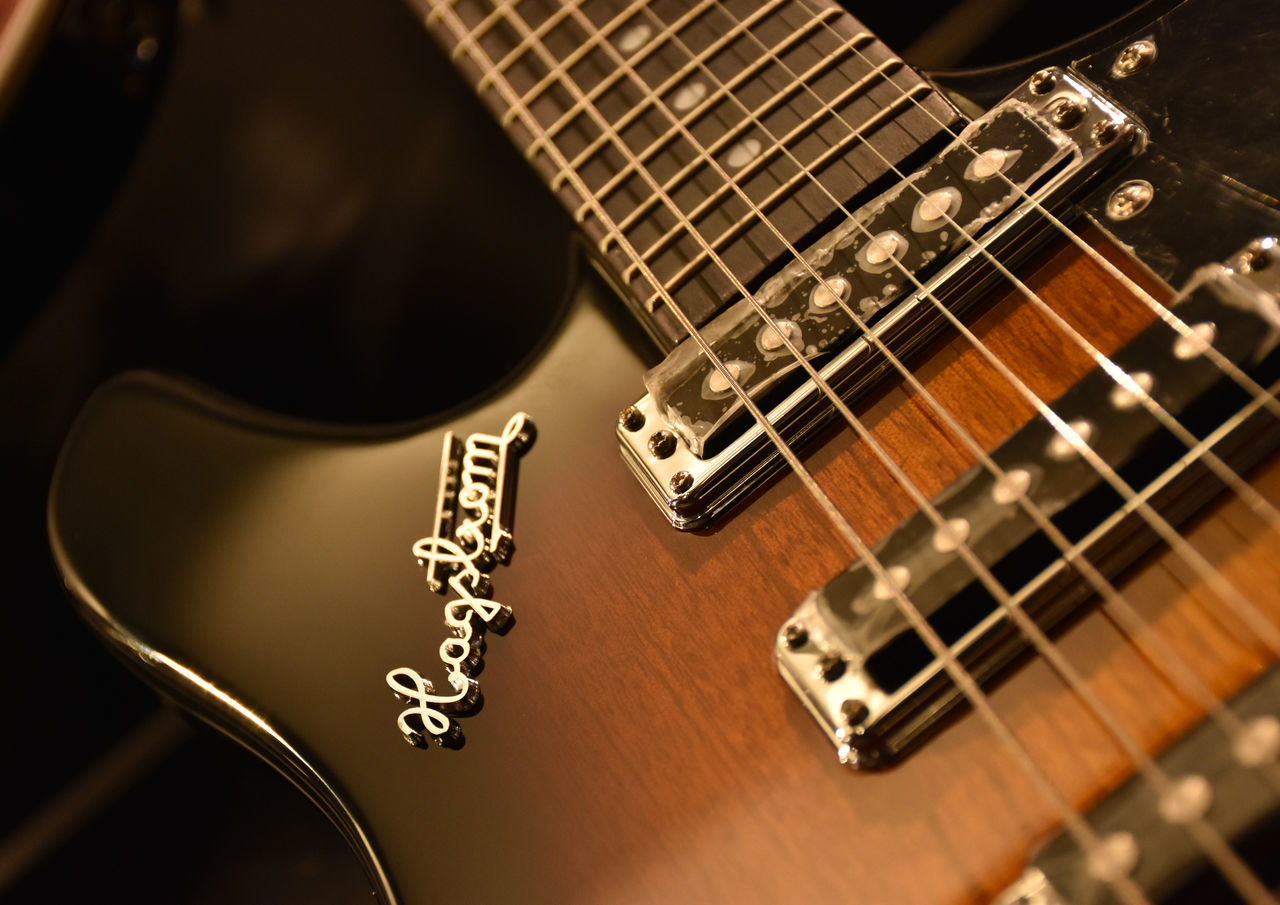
[{"x": 932, "y": 559}]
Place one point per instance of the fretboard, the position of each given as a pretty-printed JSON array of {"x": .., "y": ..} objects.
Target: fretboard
[{"x": 673, "y": 129}]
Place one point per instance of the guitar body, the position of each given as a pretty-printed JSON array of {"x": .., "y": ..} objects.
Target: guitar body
[{"x": 635, "y": 742}]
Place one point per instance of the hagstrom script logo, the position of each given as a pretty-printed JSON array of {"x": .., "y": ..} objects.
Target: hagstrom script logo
[{"x": 472, "y": 535}]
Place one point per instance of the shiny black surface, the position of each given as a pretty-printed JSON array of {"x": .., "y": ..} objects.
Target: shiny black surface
[
  {"x": 315, "y": 194},
  {"x": 312, "y": 197},
  {"x": 272, "y": 571}
]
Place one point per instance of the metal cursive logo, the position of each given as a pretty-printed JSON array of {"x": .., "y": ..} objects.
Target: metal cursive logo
[{"x": 472, "y": 534}]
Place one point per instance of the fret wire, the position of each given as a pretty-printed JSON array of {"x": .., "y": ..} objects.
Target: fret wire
[
  {"x": 724, "y": 90},
  {"x": 1228, "y": 593},
  {"x": 1262, "y": 627},
  {"x": 1225, "y": 858},
  {"x": 948, "y": 662},
  {"x": 776, "y": 196},
  {"x": 488, "y": 22},
  {"x": 1076, "y": 825},
  {"x": 1214, "y": 705},
  {"x": 555, "y": 73},
  {"x": 654, "y": 43},
  {"x": 1209, "y": 839},
  {"x": 562, "y": 12},
  {"x": 1074, "y": 822},
  {"x": 857, "y": 88}
]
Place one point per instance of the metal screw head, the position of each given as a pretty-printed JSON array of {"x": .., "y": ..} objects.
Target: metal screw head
[
  {"x": 831, "y": 666},
  {"x": 1067, "y": 112},
  {"x": 1130, "y": 199},
  {"x": 1042, "y": 82},
  {"x": 681, "y": 482},
  {"x": 796, "y": 635},
  {"x": 662, "y": 444},
  {"x": 1133, "y": 58},
  {"x": 854, "y": 712},
  {"x": 1104, "y": 132},
  {"x": 631, "y": 418},
  {"x": 1254, "y": 258}
]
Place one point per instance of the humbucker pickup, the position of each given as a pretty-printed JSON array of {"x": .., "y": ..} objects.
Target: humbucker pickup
[
  {"x": 885, "y": 272},
  {"x": 849, "y": 652}
]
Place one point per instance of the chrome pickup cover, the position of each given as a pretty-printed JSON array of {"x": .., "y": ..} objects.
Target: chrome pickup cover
[
  {"x": 849, "y": 652},
  {"x": 894, "y": 263}
]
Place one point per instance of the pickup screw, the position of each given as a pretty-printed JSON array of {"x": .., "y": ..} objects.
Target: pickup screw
[
  {"x": 1067, "y": 112},
  {"x": 1043, "y": 81},
  {"x": 1130, "y": 199},
  {"x": 1254, "y": 258},
  {"x": 854, "y": 712},
  {"x": 796, "y": 635},
  {"x": 631, "y": 418},
  {"x": 831, "y": 666},
  {"x": 1133, "y": 58},
  {"x": 662, "y": 444},
  {"x": 1104, "y": 132},
  {"x": 681, "y": 481}
]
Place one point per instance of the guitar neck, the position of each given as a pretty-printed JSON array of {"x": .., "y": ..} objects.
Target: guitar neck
[{"x": 670, "y": 130}]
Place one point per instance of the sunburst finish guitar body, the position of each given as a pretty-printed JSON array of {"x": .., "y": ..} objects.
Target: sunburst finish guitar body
[{"x": 613, "y": 727}]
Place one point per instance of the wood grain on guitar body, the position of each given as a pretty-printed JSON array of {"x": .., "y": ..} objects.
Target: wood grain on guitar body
[{"x": 944, "y": 395}]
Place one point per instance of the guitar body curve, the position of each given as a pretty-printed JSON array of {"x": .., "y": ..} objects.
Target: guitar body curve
[{"x": 635, "y": 743}]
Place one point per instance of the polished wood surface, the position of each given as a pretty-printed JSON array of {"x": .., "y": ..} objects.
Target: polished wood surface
[{"x": 636, "y": 743}]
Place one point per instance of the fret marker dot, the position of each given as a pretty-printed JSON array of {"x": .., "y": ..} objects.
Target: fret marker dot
[
  {"x": 689, "y": 96},
  {"x": 987, "y": 164},
  {"x": 771, "y": 340},
  {"x": 882, "y": 248},
  {"x": 1187, "y": 799},
  {"x": 1124, "y": 398},
  {"x": 1063, "y": 447},
  {"x": 1196, "y": 343},
  {"x": 1011, "y": 485},
  {"x": 633, "y": 39},
  {"x": 898, "y": 577},
  {"x": 934, "y": 206},
  {"x": 743, "y": 153},
  {"x": 950, "y": 535},
  {"x": 1258, "y": 742},
  {"x": 1115, "y": 856},
  {"x": 716, "y": 381},
  {"x": 830, "y": 292}
]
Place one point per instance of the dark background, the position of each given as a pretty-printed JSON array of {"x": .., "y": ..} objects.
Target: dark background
[{"x": 298, "y": 204}]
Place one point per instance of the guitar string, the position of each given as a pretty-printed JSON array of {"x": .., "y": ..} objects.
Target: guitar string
[
  {"x": 552, "y": 64},
  {"x": 1261, "y": 507},
  {"x": 1173, "y": 667},
  {"x": 1122, "y": 611},
  {"x": 1175, "y": 670},
  {"x": 1208, "y": 837},
  {"x": 1073, "y": 822},
  {"x": 1258, "y": 624}
]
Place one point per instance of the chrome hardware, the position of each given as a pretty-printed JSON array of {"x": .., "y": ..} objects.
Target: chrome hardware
[
  {"x": 1043, "y": 81},
  {"x": 631, "y": 418},
  {"x": 681, "y": 482},
  {"x": 1142, "y": 835},
  {"x": 1137, "y": 56},
  {"x": 726, "y": 460},
  {"x": 1130, "y": 199},
  {"x": 471, "y": 534},
  {"x": 1032, "y": 888},
  {"x": 856, "y": 619},
  {"x": 661, "y": 445},
  {"x": 1067, "y": 113}
]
